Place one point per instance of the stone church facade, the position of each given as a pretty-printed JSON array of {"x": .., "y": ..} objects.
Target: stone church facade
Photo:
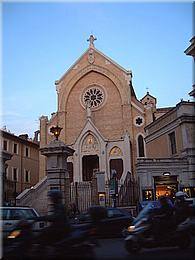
[{"x": 101, "y": 117}]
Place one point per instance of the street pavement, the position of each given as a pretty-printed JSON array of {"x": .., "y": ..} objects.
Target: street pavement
[{"x": 114, "y": 249}]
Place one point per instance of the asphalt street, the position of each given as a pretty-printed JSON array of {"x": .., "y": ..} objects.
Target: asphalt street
[{"x": 114, "y": 249}]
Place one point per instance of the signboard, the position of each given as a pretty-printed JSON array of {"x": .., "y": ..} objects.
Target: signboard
[
  {"x": 113, "y": 186},
  {"x": 100, "y": 181},
  {"x": 102, "y": 199}
]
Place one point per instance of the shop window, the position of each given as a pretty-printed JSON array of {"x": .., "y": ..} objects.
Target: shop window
[
  {"x": 117, "y": 165},
  {"x": 190, "y": 191},
  {"x": 147, "y": 194},
  {"x": 173, "y": 143},
  {"x": 141, "y": 151}
]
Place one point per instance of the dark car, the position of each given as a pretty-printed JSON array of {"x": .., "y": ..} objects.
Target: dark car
[{"x": 111, "y": 223}]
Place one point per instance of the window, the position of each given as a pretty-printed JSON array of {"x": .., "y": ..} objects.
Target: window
[
  {"x": 15, "y": 148},
  {"x": 173, "y": 143},
  {"x": 70, "y": 170},
  {"x": 140, "y": 141},
  {"x": 113, "y": 213},
  {"x": 27, "y": 154},
  {"x": 15, "y": 174},
  {"x": 94, "y": 96},
  {"x": 147, "y": 194},
  {"x": 6, "y": 172},
  {"x": 26, "y": 176},
  {"x": 5, "y": 146}
]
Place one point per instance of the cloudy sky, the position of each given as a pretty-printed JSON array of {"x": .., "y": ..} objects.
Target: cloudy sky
[{"x": 40, "y": 41}]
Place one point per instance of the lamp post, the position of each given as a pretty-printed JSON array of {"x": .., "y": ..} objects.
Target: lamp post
[{"x": 55, "y": 130}]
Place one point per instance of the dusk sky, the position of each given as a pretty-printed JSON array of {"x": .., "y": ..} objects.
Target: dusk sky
[{"x": 40, "y": 41}]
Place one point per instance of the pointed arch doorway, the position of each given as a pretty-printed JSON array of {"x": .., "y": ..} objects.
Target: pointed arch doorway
[{"x": 89, "y": 163}]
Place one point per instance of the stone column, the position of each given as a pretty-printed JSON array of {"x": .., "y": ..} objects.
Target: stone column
[{"x": 56, "y": 169}]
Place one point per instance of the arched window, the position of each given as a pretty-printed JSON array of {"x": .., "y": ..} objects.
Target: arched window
[{"x": 140, "y": 140}]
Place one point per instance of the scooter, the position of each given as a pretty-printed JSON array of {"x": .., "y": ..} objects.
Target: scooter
[
  {"x": 139, "y": 235},
  {"x": 22, "y": 243}
]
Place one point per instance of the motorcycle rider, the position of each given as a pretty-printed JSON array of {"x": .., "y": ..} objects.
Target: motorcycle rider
[
  {"x": 162, "y": 217},
  {"x": 59, "y": 221},
  {"x": 181, "y": 207}
]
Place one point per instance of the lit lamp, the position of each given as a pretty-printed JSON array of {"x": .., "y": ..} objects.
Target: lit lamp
[
  {"x": 166, "y": 173},
  {"x": 55, "y": 130}
]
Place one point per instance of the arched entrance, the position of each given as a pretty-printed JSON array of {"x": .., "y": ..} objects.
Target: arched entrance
[{"x": 89, "y": 163}]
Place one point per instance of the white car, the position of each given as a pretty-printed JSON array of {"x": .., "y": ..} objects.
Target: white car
[{"x": 10, "y": 216}]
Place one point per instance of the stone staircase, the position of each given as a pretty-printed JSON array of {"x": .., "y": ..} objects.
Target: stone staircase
[{"x": 35, "y": 197}]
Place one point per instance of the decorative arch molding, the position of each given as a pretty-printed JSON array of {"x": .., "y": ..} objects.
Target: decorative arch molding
[
  {"x": 115, "y": 152},
  {"x": 104, "y": 71},
  {"x": 90, "y": 144},
  {"x": 138, "y": 144}
]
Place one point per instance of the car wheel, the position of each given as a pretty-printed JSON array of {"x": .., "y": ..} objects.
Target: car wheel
[
  {"x": 132, "y": 246},
  {"x": 184, "y": 241},
  {"x": 125, "y": 232}
]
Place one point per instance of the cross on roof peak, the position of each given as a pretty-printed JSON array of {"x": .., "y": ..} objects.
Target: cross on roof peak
[{"x": 91, "y": 40}]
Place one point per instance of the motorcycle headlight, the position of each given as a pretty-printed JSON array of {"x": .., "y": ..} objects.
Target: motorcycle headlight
[
  {"x": 130, "y": 228},
  {"x": 14, "y": 234}
]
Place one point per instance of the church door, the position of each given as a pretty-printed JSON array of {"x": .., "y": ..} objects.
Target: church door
[{"x": 89, "y": 163}]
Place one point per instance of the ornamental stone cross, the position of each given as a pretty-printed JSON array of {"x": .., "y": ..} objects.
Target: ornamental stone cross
[{"x": 91, "y": 40}]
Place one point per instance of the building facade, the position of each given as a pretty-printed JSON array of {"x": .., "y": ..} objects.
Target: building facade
[
  {"x": 101, "y": 118},
  {"x": 170, "y": 145},
  {"x": 21, "y": 170},
  {"x": 170, "y": 162}
]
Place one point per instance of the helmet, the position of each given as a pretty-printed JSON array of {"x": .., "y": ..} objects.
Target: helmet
[
  {"x": 180, "y": 194},
  {"x": 55, "y": 194}
]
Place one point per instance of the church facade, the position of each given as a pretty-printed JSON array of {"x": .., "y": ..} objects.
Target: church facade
[{"x": 101, "y": 118}]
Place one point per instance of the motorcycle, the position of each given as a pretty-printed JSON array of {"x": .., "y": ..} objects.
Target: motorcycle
[
  {"x": 139, "y": 235},
  {"x": 22, "y": 243}
]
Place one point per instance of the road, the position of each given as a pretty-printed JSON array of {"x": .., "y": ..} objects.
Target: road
[{"x": 114, "y": 249}]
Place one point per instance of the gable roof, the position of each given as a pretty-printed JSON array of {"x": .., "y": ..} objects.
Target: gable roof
[
  {"x": 147, "y": 94},
  {"x": 100, "y": 53}
]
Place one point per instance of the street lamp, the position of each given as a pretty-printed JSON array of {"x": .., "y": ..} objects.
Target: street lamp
[
  {"x": 166, "y": 174},
  {"x": 55, "y": 130}
]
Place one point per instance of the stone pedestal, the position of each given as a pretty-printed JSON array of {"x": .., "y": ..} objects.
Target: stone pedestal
[{"x": 56, "y": 169}]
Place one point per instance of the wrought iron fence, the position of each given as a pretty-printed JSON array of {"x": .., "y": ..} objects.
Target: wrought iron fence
[{"x": 82, "y": 194}]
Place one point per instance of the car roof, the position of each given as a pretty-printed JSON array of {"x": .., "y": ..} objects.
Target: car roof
[{"x": 16, "y": 208}]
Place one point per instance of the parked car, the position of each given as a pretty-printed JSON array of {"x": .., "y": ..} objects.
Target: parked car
[
  {"x": 111, "y": 224},
  {"x": 10, "y": 216}
]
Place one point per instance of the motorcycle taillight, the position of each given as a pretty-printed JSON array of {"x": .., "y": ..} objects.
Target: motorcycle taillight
[{"x": 93, "y": 231}]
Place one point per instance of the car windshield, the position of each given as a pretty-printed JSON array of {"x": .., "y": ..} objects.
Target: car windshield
[
  {"x": 22, "y": 214},
  {"x": 145, "y": 212}
]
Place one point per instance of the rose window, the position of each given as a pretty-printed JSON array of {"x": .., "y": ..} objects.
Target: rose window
[
  {"x": 93, "y": 97},
  {"x": 138, "y": 121}
]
